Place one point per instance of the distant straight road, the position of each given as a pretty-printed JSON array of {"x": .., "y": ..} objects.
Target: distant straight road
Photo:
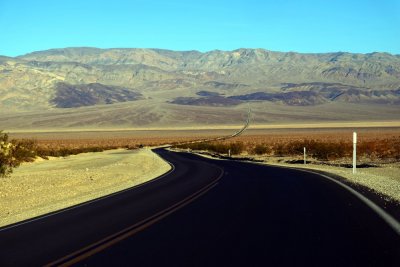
[{"x": 211, "y": 213}]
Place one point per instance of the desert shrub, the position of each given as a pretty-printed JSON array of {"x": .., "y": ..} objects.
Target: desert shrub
[
  {"x": 236, "y": 148},
  {"x": 324, "y": 147},
  {"x": 385, "y": 148},
  {"x": 24, "y": 150},
  {"x": 65, "y": 151},
  {"x": 218, "y": 148},
  {"x": 279, "y": 150},
  {"x": 221, "y": 148},
  {"x": 294, "y": 147},
  {"x": 322, "y": 150},
  {"x": 261, "y": 149},
  {"x": 13, "y": 153},
  {"x": 327, "y": 150},
  {"x": 7, "y": 162}
]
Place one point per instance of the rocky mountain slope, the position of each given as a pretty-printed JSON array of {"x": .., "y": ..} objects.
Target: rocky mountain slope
[
  {"x": 76, "y": 77},
  {"x": 70, "y": 96}
]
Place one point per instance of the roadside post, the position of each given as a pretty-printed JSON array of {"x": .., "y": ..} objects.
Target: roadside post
[
  {"x": 354, "y": 152},
  {"x": 305, "y": 162},
  {"x": 229, "y": 153}
]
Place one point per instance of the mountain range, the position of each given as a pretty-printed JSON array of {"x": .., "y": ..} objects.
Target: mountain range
[{"x": 153, "y": 86}]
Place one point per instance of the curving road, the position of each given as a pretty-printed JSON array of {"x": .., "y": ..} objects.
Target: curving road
[
  {"x": 220, "y": 138},
  {"x": 211, "y": 213}
]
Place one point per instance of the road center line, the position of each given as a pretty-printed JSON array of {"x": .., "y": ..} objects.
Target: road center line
[{"x": 98, "y": 246}]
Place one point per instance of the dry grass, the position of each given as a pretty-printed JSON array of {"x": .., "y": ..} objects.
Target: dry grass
[
  {"x": 65, "y": 143},
  {"x": 323, "y": 143}
]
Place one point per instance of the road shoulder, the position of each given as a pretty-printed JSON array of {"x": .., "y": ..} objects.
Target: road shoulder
[{"x": 38, "y": 188}]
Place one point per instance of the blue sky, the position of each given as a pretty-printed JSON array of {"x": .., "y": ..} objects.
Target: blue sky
[{"x": 361, "y": 26}]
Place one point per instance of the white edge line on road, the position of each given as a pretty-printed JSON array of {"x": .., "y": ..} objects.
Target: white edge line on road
[
  {"x": 389, "y": 219},
  {"x": 40, "y": 217}
]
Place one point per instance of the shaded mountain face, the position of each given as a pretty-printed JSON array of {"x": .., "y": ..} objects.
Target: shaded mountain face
[
  {"x": 309, "y": 94},
  {"x": 299, "y": 98},
  {"x": 215, "y": 101},
  {"x": 305, "y": 94},
  {"x": 311, "y": 98},
  {"x": 76, "y": 77},
  {"x": 72, "y": 96}
]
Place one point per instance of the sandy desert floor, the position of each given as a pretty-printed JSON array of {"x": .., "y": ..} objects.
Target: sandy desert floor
[{"x": 49, "y": 185}]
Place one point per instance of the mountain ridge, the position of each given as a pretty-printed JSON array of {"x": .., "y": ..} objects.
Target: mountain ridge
[
  {"x": 54, "y": 79},
  {"x": 165, "y": 50}
]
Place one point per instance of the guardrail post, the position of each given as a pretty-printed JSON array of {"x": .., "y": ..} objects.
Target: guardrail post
[{"x": 354, "y": 152}]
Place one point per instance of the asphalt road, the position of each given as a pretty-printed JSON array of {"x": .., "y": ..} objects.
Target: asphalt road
[{"x": 211, "y": 213}]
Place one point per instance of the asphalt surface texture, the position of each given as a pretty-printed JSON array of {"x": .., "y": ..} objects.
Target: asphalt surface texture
[{"x": 211, "y": 213}]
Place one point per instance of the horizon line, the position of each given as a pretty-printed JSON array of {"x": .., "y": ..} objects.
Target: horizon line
[{"x": 196, "y": 50}]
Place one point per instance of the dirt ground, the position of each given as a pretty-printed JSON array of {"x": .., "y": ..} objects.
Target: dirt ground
[{"x": 49, "y": 185}]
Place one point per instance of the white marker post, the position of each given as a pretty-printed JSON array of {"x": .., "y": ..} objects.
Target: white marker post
[
  {"x": 354, "y": 152},
  {"x": 305, "y": 162}
]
